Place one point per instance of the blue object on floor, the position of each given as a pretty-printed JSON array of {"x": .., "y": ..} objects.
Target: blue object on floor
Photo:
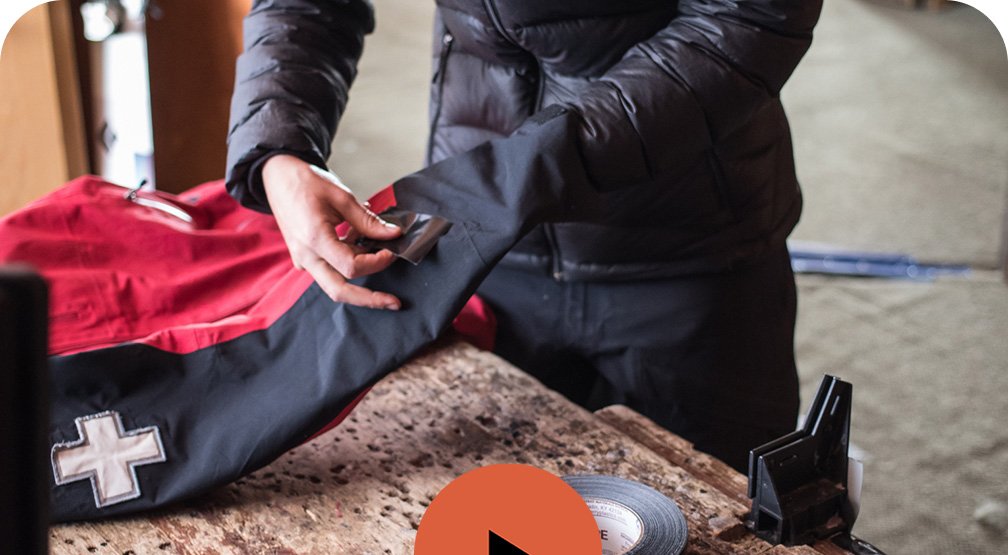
[{"x": 816, "y": 258}]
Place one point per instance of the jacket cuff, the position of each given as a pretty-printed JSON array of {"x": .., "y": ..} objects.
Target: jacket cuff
[{"x": 245, "y": 183}]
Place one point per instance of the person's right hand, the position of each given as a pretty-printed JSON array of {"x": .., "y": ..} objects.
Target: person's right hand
[{"x": 308, "y": 203}]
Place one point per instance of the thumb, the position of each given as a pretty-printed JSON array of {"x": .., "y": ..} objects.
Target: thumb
[
  {"x": 368, "y": 224},
  {"x": 362, "y": 219}
]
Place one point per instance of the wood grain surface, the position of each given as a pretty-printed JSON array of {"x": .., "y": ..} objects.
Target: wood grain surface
[{"x": 363, "y": 487}]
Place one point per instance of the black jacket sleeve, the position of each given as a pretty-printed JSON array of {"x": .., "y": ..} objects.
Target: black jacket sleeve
[
  {"x": 291, "y": 85},
  {"x": 673, "y": 96}
]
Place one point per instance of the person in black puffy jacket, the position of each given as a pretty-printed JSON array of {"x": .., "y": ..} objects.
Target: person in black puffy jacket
[{"x": 661, "y": 280}]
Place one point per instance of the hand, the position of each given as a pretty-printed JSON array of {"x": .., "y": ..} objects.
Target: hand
[{"x": 308, "y": 203}]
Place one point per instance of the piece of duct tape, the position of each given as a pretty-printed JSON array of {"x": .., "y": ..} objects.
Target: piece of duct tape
[
  {"x": 633, "y": 519},
  {"x": 420, "y": 233}
]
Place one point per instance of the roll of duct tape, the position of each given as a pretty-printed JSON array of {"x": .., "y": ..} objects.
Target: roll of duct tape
[{"x": 633, "y": 519}]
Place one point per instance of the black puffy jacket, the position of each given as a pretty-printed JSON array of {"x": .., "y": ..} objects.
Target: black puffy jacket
[{"x": 678, "y": 122}]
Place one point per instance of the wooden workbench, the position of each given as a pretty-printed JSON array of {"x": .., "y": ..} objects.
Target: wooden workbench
[{"x": 363, "y": 487}]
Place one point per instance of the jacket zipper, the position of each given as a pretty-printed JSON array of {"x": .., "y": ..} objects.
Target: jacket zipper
[
  {"x": 446, "y": 44},
  {"x": 495, "y": 18},
  {"x": 548, "y": 229}
]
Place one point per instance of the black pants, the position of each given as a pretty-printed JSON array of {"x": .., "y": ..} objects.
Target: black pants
[{"x": 710, "y": 357}]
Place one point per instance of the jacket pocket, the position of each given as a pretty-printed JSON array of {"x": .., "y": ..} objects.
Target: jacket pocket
[{"x": 723, "y": 188}]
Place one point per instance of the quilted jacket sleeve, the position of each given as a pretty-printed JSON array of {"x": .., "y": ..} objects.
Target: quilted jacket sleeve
[
  {"x": 673, "y": 96},
  {"x": 291, "y": 84}
]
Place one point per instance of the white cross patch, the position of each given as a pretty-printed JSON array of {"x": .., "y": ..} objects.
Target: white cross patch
[{"x": 108, "y": 456}]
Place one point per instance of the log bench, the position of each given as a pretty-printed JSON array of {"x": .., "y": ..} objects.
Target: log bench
[{"x": 363, "y": 487}]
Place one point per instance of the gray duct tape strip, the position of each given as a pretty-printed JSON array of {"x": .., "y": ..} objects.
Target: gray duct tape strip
[
  {"x": 420, "y": 233},
  {"x": 632, "y": 518}
]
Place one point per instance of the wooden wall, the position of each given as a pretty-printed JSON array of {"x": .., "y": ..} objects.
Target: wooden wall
[
  {"x": 192, "y": 47},
  {"x": 42, "y": 143}
]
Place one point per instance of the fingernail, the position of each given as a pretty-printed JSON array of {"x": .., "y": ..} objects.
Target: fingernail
[
  {"x": 391, "y": 306},
  {"x": 389, "y": 225}
]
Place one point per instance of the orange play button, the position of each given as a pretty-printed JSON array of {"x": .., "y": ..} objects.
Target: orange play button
[
  {"x": 508, "y": 509},
  {"x": 500, "y": 546}
]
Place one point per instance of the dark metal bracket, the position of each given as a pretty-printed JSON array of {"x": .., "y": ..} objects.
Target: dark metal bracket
[{"x": 798, "y": 482}]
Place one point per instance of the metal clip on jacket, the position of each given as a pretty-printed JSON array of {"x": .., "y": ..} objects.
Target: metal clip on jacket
[{"x": 136, "y": 195}]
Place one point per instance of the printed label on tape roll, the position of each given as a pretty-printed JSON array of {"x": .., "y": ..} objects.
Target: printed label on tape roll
[{"x": 621, "y": 528}]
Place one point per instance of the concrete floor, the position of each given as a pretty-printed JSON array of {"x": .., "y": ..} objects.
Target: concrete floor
[
  {"x": 901, "y": 133},
  {"x": 901, "y": 125}
]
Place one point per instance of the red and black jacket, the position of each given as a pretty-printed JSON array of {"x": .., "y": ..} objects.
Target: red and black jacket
[{"x": 200, "y": 345}]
